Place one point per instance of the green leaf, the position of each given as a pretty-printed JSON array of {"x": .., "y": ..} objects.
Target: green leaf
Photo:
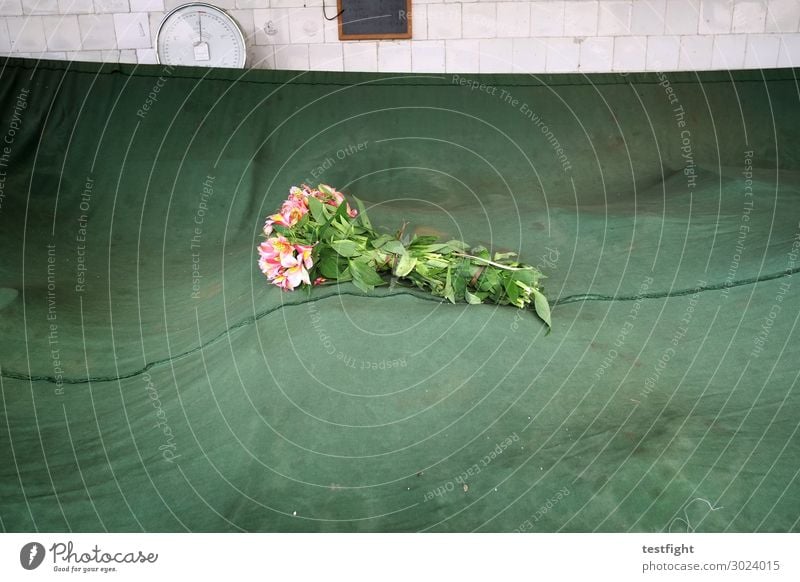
[
  {"x": 422, "y": 269},
  {"x": 436, "y": 248},
  {"x": 329, "y": 267},
  {"x": 317, "y": 210},
  {"x": 471, "y": 298},
  {"x": 394, "y": 246},
  {"x": 361, "y": 285},
  {"x": 459, "y": 283},
  {"x": 457, "y": 245},
  {"x": 363, "y": 272},
  {"x": 449, "y": 294},
  {"x": 511, "y": 289},
  {"x": 480, "y": 251},
  {"x": 342, "y": 226},
  {"x": 528, "y": 276},
  {"x": 489, "y": 281},
  {"x": 498, "y": 257},
  {"x": 381, "y": 240},
  {"x": 362, "y": 213},
  {"x": 437, "y": 262},
  {"x": 405, "y": 265},
  {"x": 345, "y": 248},
  {"x": 419, "y": 241},
  {"x": 542, "y": 307}
]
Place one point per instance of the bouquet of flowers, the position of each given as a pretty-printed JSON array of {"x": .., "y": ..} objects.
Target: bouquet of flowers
[{"x": 317, "y": 237}]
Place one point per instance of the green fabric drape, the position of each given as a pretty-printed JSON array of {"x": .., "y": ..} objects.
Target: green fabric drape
[{"x": 153, "y": 381}]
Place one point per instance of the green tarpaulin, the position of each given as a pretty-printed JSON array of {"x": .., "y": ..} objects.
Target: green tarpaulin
[{"x": 151, "y": 379}]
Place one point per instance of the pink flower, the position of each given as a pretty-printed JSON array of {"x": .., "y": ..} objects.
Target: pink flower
[
  {"x": 297, "y": 274},
  {"x": 334, "y": 199},
  {"x": 287, "y": 265},
  {"x": 269, "y": 268},
  {"x": 304, "y": 254},
  {"x": 282, "y": 281},
  {"x": 290, "y": 276},
  {"x": 278, "y": 261},
  {"x": 294, "y": 208},
  {"x": 276, "y": 250}
]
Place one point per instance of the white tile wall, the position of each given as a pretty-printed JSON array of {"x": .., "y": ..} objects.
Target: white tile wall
[
  {"x": 10, "y": 7},
  {"x": 75, "y": 6},
  {"x": 244, "y": 18},
  {"x": 729, "y": 51},
  {"x": 325, "y": 57},
  {"x": 261, "y": 56},
  {"x": 614, "y": 17},
  {"x": 762, "y": 51},
  {"x": 132, "y": 30},
  {"x": 272, "y": 26},
  {"x": 580, "y": 18},
  {"x": 783, "y": 16},
  {"x": 682, "y": 17},
  {"x": 466, "y": 36},
  {"x": 547, "y": 18},
  {"x": 749, "y": 16},
  {"x": 26, "y": 33},
  {"x": 789, "y": 51},
  {"x": 5, "y": 39},
  {"x": 251, "y": 3},
  {"x": 715, "y": 16},
  {"x": 394, "y": 56},
  {"x": 496, "y": 55},
  {"x": 597, "y": 54},
  {"x": 111, "y": 6},
  {"x": 696, "y": 52},
  {"x": 295, "y": 3},
  {"x": 419, "y": 22},
  {"x": 108, "y": 56},
  {"x": 462, "y": 56},
  {"x": 291, "y": 56},
  {"x": 647, "y": 17},
  {"x": 57, "y": 55},
  {"x": 427, "y": 56},
  {"x": 62, "y": 33},
  {"x": 40, "y": 6},
  {"x": 155, "y": 20},
  {"x": 479, "y": 20},
  {"x": 361, "y": 56},
  {"x": 663, "y": 53},
  {"x": 146, "y": 56},
  {"x": 305, "y": 26},
  {"x": 528, "y": 55},
  {"x": 97, "y": 31},
  {"x": 444, "y": 21},
  {"x": 513, "y": 19},
  {"x": 629, "y": 53},
  {"x": 563, "y": 55},
  {"x": 146, "y": 5}
]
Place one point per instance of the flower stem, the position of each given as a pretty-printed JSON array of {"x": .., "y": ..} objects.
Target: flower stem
[{"x": 498, "y": 265}]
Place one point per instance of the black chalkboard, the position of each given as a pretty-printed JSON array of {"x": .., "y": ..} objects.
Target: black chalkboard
[{"x": 364, "y": 19}]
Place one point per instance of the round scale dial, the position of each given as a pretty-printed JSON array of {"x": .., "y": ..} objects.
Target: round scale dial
[{"x": 200, "y": 35}]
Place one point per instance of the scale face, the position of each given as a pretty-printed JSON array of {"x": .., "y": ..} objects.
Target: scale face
[{"x": 200, "y": 35}]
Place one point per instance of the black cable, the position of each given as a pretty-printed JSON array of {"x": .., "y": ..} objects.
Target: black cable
[{"x": 325, "y": 12}]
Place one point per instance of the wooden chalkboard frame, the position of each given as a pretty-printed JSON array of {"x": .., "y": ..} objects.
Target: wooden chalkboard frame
[{"x": 341, "y": 7}]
